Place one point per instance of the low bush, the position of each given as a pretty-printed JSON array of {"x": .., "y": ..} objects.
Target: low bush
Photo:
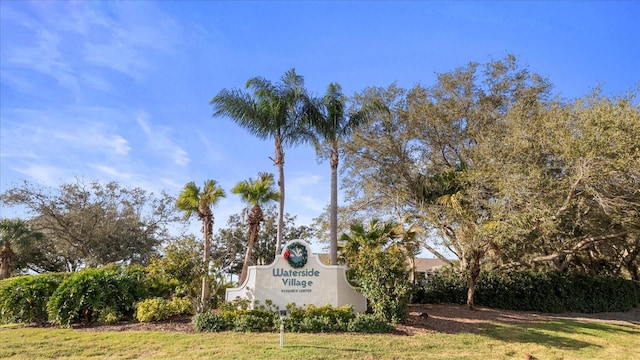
[
  {"x": 181, "y": 306},
  {"x": 210, "y": 322},
  {"x": 241, "y": 319},
  {"x": 24, "y": 299},
  {"x": 314, "y": 319},
  {"x": 157, "y": 309},
  {"x": 318, "y": 318},
  {"x": 103, "y": 294},
  {"x": 369, "y": 323},
  {"x": 253, "y": 321},
  {"x": 318, "y": 324},
  {"x": 244, "y": 320}
]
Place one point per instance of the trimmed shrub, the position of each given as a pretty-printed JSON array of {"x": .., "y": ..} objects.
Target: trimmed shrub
[
  {"x": 245, "y": 320},
  {"x": 242, "y": 319},
  {"x": 318, "y": 318},
  {"x": 24, "y": 299},
  {"x": 369, "y": 323},
  {"x": 251, "y": 321},
  {"x": 318, "y": 324},
  {"x": 96, "y": 295},
  {"x": 157, "y": 309},
  {"x": 315, "y": 319},
  {"x": 210, "y": 322}
]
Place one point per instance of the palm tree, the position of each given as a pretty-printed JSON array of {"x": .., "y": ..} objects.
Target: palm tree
[
  {"x": 199, "y": 201},
  {"x": 254, "y": 193},
  {"x": 16, "y": 237},
  {"x": 269, "y": 111},
  {"x": 333, "y": 127}
]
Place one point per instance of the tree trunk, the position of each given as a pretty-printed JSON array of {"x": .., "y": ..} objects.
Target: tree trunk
[
  {"x": 5, "y": 261},
  {"x": 247, "y": 256},
  {"x": 279, "y": 162},
  {"x": 473, "y": 278},
  {"x": 412, "y": 270},
  {"x": 255, "y": 217},
  {"x": 333, "y": 212},
  {"x": 207, "y": 229}
]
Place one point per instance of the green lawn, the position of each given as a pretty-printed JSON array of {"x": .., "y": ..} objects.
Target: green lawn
[{"x": 550, "y": 340}]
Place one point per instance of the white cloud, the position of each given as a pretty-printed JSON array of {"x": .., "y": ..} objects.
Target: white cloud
[
  {"x": 119, "y": 145},
  {"x": 75, "y": 42},
  {"x": 307, "y": 191},
  {"x": 44, "y": 174},
  {"x": 89, "y": 136},
  {"x": 45, "y": 57},
  {"x": 135, "y": 31},
  {"x": 112, "y": 172},
  {"x": 158, "y": 139}
]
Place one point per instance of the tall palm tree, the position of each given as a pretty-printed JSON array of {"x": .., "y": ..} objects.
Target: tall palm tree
[
  {"x": 16, "y": 237},
  {"x": 194, "y": 200},
  {"x": 333, "y": 126},
  {"x": 269, "y": 111},
  {"x": 255, "y": 194}
]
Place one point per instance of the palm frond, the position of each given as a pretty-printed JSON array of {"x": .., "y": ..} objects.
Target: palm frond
[
  {"x": 192, "y": 198},
  {"x": 212, "y": 193},
  {"x": 259, "y": 191}
]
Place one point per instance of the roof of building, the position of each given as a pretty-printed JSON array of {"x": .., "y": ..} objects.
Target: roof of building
[{"x": 424, "y": 265}]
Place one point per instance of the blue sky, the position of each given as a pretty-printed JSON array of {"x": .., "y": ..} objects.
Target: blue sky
[{"x": 120, "y": 90}]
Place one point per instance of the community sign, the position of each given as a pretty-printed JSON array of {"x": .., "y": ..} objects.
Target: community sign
[{"x": 297, "y": 276}]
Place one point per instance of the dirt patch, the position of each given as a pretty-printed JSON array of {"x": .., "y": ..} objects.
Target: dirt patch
[
  {"x": 451, "y": 318},
  {"x": 180, "y": 324},
  {"x": 439, "y": 318}
]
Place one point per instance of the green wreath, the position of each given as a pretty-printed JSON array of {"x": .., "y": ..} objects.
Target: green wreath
[{"x": 296, "y": 255}]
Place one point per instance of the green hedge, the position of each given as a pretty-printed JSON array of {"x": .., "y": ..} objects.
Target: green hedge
[
  {"x": 316, "y": 319},
  {"x": 103, "y": 295},
  {"x": 528, "y": 290},
  {"x": 23, "y": 299},
  {"x": 242, "y": 320},
  {"x": 442, "y": 286}
]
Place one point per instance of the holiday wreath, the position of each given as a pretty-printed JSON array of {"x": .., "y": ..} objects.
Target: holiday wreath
[{"x": 296, "y": 255}]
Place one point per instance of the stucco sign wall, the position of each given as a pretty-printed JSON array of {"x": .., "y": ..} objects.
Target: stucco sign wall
[{"x": 297, "y": 276}]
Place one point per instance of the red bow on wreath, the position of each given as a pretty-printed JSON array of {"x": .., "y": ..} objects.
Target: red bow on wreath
[{"x": 286, "y": 254}]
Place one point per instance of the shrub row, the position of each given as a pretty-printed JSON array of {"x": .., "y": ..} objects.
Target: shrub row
[
  {"x": 24, "y": 298},
  {"x": 242, "y": 320},
  {"x": 528, "y": 290},
  {"x": 299, "y": 319},
  {"x": 103, "y": 295}
]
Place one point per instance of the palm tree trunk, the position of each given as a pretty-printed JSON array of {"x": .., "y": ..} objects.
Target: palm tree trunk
[
  {"x": 279, "y": 162},
  {"x": 5, "y": 261},
  {"x": 207, "y": 229},
  {"x": 255, "y": 217},
  {"x": 247, "y": 257},
  {"x": 333, "y": 215}
]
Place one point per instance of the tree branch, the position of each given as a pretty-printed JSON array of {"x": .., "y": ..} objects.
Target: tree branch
[{"x": 581, "y": 245}]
